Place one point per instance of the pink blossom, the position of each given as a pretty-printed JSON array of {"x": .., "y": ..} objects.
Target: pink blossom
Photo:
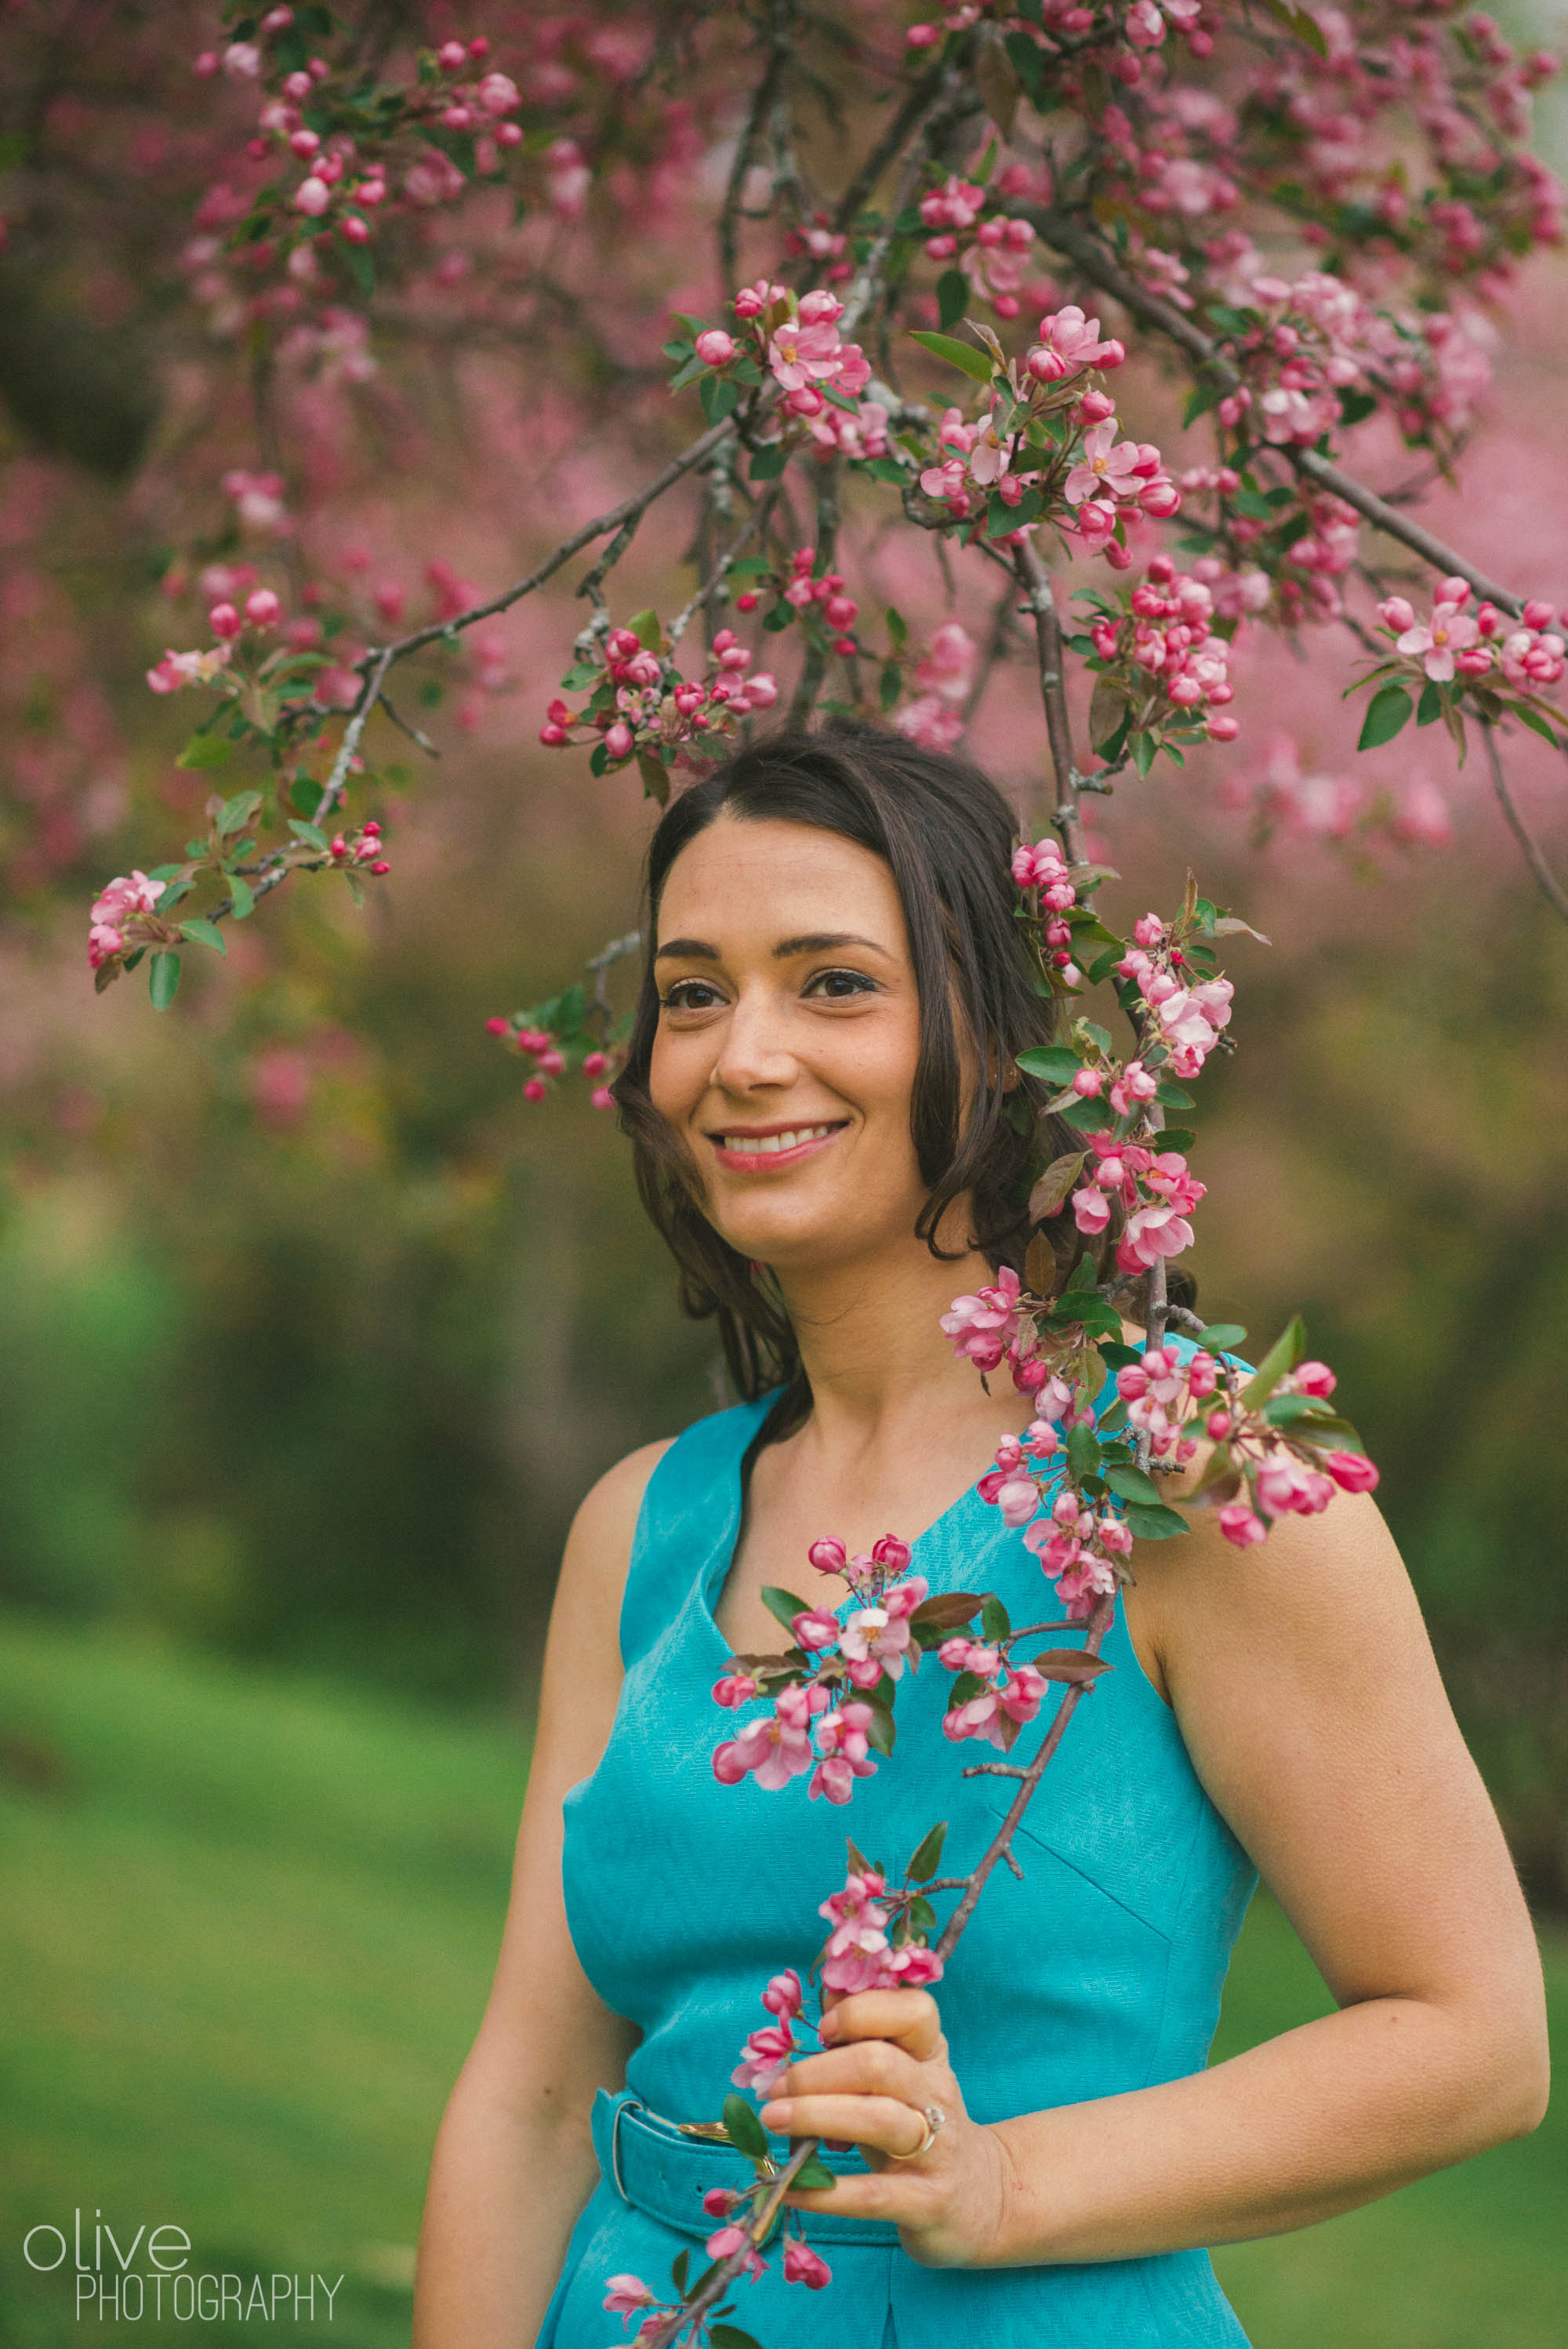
[
  {"x": 871, "y": 1635},
  {"x": 815, "y": 1627},
  {"x": 802, "y": 2265},
  {"x": 766, "y": 2057},
  {"x": 982, "y": 1327},
  {"x": 1092, "y": 1210},
  {"x": 1352, "y": 1471},
  {"x": 784, "y": 1994},
  {"x": 1152, "y": 1233},
  {"x": 627, "y": 2293},
  {"x": 715, "y": 348},
  {"x": 1070, "y": 341},
  {"x": 1436, "y": 645},
  {"x": 1105, "y": 465}
]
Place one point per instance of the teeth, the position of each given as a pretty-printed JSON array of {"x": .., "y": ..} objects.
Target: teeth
[{"x": 768, "y": 1144}]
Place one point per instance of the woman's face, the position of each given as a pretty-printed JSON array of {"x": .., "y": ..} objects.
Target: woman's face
[{"x": 787, "y": 1039}]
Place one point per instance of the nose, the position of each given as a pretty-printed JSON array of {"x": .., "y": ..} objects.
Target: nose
[{"x": 755, "y": 1050}]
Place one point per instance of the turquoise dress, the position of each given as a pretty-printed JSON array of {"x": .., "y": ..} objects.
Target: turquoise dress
[{"x": 1099, "y": 1972}]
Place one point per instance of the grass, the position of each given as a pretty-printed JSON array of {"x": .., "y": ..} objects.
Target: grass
[{"x": 248, "y": 1931}]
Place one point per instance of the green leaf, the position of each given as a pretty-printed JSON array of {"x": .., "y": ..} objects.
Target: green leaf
[
  {"x": 1285, "y": 1410},
  {"x": 1158, "y": 1524},
  {"x": 1176, "y": 1137},
  {"x": 1132, "y": 1485},
  {"x": 1103, "y": 965},
  {"x": 1429, "y": 707},
  {"x": 881, "y": 1730},
  {"x": 204, "y": 934},
  {"x": 812, "y": 2178},
  {"x": 1387, "y": 711},
  {"x": 890, "y": 685},
  {"x": 970, "y": 361},
  {"x": 205, "y": 751},
  {"x": 947, "y": 1610},
  {"x": 236, "y": 814},
  {"x": 1281, "y": 1356},
  {"x": 951, "y": 297},
  {"x": 1254, "y": 503},
  {"x": 768, "y": 463},
  {"x": 680, "y": 2267},
  {"x": 928, "y": 1855},
  {"x": 162, "y": 978},
  {"x": 243, "y": 896},
  {"x": 1143, "y": 746},
  {"x": 1085, "y": 1116},
  {"x": 1171, "y": 1095},
  {"x": 783, "y": 1606},
  {"x": 1536, "y": 723},
  {"x": 743, "y": 2129},
  {"x": 995, "y": 1620},
  {"x": 356, "y": 259},
  {"x": 312, "y": 834},
  {"x": 1055, "y": 1062},
  {"x": 719, "y": 397},
  {"x": 1223, "y": 1337},
  {"x": 1083, "y": 1452}
]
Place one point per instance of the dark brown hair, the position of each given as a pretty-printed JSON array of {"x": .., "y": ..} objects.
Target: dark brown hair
[{"x": 946, "y": 834}]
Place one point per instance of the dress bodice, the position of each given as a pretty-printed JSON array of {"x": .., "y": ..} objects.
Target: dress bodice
[{"x": 1099, "y": 1972}]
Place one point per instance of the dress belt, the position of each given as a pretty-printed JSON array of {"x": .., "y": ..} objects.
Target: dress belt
[{"x": 648, "y": 2161}]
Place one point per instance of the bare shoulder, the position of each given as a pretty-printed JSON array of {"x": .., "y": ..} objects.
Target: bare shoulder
[{"x": 599, "y": 1546}]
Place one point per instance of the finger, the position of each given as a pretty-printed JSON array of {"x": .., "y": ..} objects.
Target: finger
[
  {"x": 883, "y": 2123},
  {"x": 870, "y": 2067},
  {"x": 910, "y": 2018}
]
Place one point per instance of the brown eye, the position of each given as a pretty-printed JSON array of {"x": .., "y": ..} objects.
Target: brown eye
[
  {"x": 838, "y": 984},
  {"x": 689, "y": 995}
]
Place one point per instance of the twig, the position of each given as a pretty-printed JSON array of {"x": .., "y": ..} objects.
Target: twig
[
  {"x": 1037, "y": 585},
  {"x": 369, "y": 694},
  {"x": 755, "y": 521},
  {"x": 1100, "y": 266},
  {"x": 781, "y": 25},
  {"x": 1550, "y": 887},
  {"x": 1099, "y": 1624},
  {"x": 633, "y": 506},
  {"x": 404, "y": 727}
]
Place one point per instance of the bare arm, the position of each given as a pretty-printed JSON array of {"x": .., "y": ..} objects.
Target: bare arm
[
  {"x": 1309, "y": 1699},
  {"x": 515, "y": 2161}
]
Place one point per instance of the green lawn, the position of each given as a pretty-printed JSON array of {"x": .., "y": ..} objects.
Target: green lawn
[{"x": 247, "y": 1932}]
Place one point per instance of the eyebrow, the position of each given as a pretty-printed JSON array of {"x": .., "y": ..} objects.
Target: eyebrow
[{"x": 813, "y": 942}]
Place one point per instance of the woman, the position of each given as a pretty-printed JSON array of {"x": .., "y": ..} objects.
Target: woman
[{"x": 819, "y": 1084}]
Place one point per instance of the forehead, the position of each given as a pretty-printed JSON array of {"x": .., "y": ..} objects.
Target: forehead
[{"x": 750, "y": 879}]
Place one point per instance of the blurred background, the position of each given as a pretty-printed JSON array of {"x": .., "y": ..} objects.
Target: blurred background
[{"x": 313, "y": 1334}]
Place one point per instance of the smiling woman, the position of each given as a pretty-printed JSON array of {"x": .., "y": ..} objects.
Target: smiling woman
[
  {"x": 832, "y": 1130},
  {"x": 863, "y": 946}
]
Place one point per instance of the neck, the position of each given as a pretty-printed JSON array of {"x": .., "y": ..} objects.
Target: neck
[{"x": 872, "y": 1349}]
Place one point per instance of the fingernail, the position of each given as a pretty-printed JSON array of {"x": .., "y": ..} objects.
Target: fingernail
[{"x": 829, "y": 2026}]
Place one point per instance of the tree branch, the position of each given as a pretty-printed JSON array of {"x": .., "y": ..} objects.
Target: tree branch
[
  {"x": 1035, "y": 581},
  {"x": 1101, "y": 267},
  {"x": 1550, "y": 887}
]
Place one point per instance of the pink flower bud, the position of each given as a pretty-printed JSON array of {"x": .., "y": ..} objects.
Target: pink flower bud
[
  {"x": 224, "y": 621},
  {"x": 1397, "y": 614},
  {"x": 1537, "y": 615},
  {"x": 1222, "y": 729},
  {"x": 535, "y": 1091},
  {"x": 618, "y": 740},
  {"x": 1313, "y": 1379},
  {"x": 451, "y": 57},
  {"x": 1095, "y": 406},
  {"x": 553, "y": 736},
  {"x": 262, "y": 608},
  {"x": 1242, "y": 1524},
  {"x": 922, "y": 37},
  {"x": 1218, "y": 1425},
  {"x": 1088, "y": 1084},
  {"x": 1352, "y": 1471},
  {"x": 828, "y": 1557},
  {"x": 1453, "y": 591},
  {"x": 354, "y": 230},
  {"x": 715, "y": 349}
]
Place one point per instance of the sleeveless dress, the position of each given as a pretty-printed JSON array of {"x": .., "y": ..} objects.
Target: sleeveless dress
[{"x": 1099, "y": 1972}]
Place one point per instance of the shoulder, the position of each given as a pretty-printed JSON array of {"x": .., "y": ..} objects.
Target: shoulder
[{"x": 599, "y": 1546}]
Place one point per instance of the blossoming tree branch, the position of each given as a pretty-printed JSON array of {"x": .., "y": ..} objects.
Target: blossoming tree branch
[{"x": 1280, "y": 224}]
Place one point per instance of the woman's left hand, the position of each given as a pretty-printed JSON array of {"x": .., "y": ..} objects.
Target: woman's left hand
[{"x": 884, "y": 2061}]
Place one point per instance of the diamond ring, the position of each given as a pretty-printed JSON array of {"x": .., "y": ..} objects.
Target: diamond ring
[{"x": 934, "y": 2118}]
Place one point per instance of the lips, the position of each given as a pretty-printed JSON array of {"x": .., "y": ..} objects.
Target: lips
[{"x": 760, "y": 1151}]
